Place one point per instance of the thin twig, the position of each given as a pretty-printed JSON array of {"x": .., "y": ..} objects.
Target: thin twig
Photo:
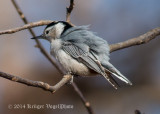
[
  {"x": 85, "y": 102},
  {"x": 39, "y": 45},
  {"x": 69, "y": 10},
  {"x": 44, "y": 52},
  {"x": 38, "y": 84},
  {"x": 145, "y": 38},
  {"x": 27, "y": 26}
]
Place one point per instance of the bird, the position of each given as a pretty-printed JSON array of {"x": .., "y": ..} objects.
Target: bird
[{"x": 80, "y": 51}]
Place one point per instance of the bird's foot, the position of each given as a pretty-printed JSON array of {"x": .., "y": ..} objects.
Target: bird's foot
[{"x": 71, "y": 80}]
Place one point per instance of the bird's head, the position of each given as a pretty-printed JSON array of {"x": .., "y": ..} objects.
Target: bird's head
[{"x": 54, "y": 30}]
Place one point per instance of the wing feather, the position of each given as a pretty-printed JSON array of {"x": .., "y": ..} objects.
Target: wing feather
[{"x": 82, "y": 56}]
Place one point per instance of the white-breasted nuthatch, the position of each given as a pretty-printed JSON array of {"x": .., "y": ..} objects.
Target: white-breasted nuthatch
[{"x": 80, "y": 51}]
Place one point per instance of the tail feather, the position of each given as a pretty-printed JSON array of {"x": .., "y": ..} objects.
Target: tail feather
[
  {"x": 110, "y": 68},
  {"x": 111, "y": 80},
  {"x": 107, "y": 75}
]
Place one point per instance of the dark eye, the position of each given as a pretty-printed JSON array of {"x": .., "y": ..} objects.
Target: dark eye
[{"x": 47, "y": 32}]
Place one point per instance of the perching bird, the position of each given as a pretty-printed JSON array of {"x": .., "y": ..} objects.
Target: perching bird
[{"x": 80, "y": 51}]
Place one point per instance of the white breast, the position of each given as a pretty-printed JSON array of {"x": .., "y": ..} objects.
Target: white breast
[{"x": 69, "y": 63}]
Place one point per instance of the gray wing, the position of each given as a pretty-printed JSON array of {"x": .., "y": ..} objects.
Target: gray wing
[{"x": 83, "y": 54}]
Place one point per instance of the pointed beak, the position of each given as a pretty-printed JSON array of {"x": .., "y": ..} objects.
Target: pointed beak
[{"x": 38, "y": 37}]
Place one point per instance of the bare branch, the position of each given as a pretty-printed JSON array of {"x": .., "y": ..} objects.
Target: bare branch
[
  {"x": 85, "y": 102},
  {"x": 39, "y": 45},
  {"x": 69, "y": 10},
  {"x": 38, "y": 84},
  {"x": 145, "y": 38},
  {"x": 27, "y": 26}
]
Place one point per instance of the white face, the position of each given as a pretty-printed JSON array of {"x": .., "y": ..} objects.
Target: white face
[{"x": 54, "y": 32}]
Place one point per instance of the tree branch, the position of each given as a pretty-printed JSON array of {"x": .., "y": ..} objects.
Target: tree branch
[
  {"x": 145, "y": 38},
  {"x": 69, "y": 10},
  {"x": 39, "y": 45},
  {"x": 85, "y": 102},
  {"x": 37, "y": 84},
  {"x": 27, "y": 26}
]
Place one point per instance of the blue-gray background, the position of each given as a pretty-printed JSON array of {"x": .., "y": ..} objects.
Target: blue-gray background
[{"x": 113, "y": 20}]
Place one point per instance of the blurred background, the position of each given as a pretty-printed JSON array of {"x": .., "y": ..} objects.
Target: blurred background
[{"x": 113, "y": 20}]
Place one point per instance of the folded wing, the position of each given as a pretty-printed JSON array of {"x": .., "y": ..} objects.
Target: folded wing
[{"x": 83, "y": 54}]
